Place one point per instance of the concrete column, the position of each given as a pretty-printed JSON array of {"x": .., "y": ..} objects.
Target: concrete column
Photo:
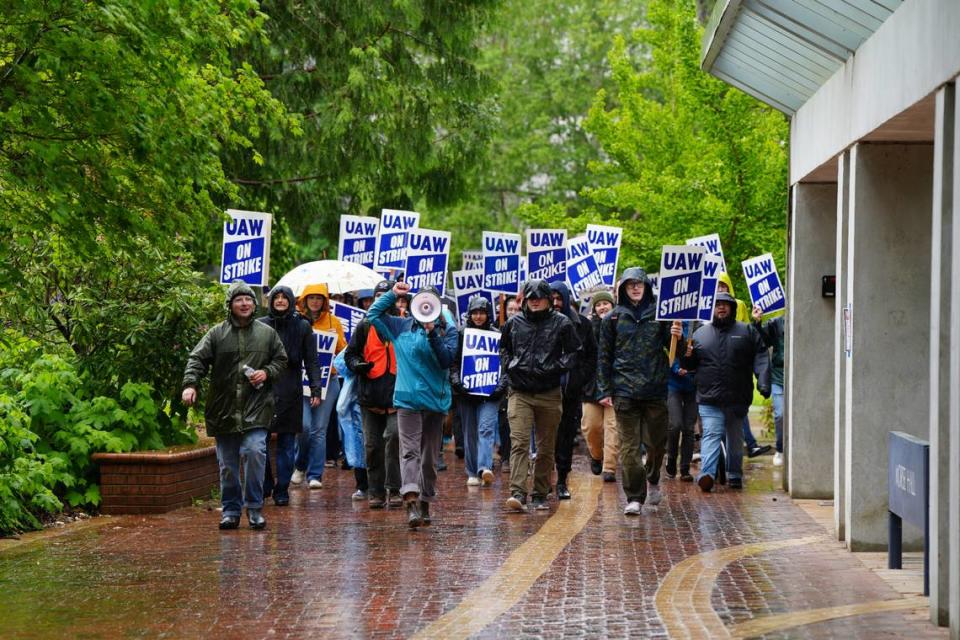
[
  {"x": 948, "y": 477},
  {"x": 887, "y": 373},
  {"x": 809, "y": 411},
  {"x": 840, "y": 358},
  {"x": 941, "y": 255}
]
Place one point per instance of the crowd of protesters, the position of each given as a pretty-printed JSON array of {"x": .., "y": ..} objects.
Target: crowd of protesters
[{"x": 605, "y": 374}]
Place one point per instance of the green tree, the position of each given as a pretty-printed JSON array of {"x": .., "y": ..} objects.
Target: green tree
[
  {"x": 394, "y": 110},
  {"x": 686, "y": 154}
]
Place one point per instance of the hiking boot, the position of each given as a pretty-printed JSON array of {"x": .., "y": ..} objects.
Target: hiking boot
[
  {"x": 517, "y": 502},
  {"x": 229, "y": 522},
  {"x": 705, "y": 483},
  {"x": 414, "y": 519},
  {"x": 395, "y": 499}
]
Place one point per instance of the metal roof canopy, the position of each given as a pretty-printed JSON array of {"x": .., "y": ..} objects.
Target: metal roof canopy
[{"x": 782, "y": 51}]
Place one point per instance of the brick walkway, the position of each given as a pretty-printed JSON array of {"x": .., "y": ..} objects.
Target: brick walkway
[{"x": 750, "y": 564}]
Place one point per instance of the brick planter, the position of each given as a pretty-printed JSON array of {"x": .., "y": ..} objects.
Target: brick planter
[{"x": 156, "y": 481}]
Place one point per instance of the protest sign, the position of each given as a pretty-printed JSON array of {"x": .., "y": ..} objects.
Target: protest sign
[
  {"x": 471, "y": 260},
  {"x": 501, "y": 262},
  {"x": 246, "y": 248},
  {"x": 326, "y": 347},
  {"x": 605, "y": 244},
  {"x": 392, "y": 239},
  {"x": 427, "y": 256},
  {"x": 712, "y": 245},
  {"x": 546, "y": 255},
  {"x": 766, "y": 290},
  {"x": 480, "y": 364},
  {"x": 358, "y": 239},
  {"x": 467, "y": 284},
  {"x": 582, "y": 272},
  {"x": 654, "y": 284},
  {"x": 350, "y": 317},
  {"x": 708, "y": 288},
  {"x": 680, "y": 277},
  {"x": 523, "y": 270}
]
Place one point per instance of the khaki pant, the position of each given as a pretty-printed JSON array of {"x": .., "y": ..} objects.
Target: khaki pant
[
  {"x": 641, "y": 422},
  {"x": 599, "y": 427},
  {"x": 542, "y": 410}
]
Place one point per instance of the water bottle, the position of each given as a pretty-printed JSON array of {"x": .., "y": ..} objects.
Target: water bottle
[{"x": 249, "y": 371}]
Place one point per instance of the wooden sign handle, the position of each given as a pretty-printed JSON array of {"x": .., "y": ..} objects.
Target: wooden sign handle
[{"x": 673, "y": 350}]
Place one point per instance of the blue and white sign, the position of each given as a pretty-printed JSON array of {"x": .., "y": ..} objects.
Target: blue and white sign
[
  {"x": 547, "y": 255},
  {"x": 471, "y": 260},
  {"x": 605, "y": 244},
  {"x": 582, "y": 272},
  {"x": 246, "y": 248},
  {"x": 501, "y": 262},
  {"x": 523, "y": 270},
  {"x": 708, "y": 288},
  {"x": 654, "y": 284},
  {"x": 326, "y": 349},
  {"x": 681, "y": 272},
  {"x": 350, "y": 317},
  {"x": 466, "y": 285},
  {"x": 358, "y": 239},
  {"x": 480, "y": 365},
  {"x": 392, "y": 239},
  {"x": 712, "y": 244},
  {"x": 766, "y": 291},
  {"x": 427, "y": 255}
]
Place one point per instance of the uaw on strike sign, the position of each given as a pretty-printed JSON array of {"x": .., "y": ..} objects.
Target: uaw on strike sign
[
  {"x": 480, "y": 365},
  {"x": 246, "y": 248},
  {"x": 680, "y": 277}
]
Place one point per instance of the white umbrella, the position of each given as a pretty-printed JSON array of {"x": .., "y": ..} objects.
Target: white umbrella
[{"x": 339, "y": 276}]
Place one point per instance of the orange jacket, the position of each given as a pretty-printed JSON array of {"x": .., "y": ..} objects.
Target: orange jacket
[{"x": 325, "y": 321}]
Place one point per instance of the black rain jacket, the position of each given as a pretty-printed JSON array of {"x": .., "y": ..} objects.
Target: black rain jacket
[
  {"x": 537, "y": 349},
  {"x": 726, "y": 359}
]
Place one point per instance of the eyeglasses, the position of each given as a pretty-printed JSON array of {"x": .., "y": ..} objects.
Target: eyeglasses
[{"x": 634, "y": 284}]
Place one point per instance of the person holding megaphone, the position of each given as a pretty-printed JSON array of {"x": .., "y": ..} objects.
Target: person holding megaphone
[{"x": 425, "y": 343}]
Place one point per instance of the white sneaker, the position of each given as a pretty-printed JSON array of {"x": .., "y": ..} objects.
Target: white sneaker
[
  {"x": 695, "y": 457},
  {"x": 297, "y": 477},
  {"x": 473, "y": 481},
  {"x": 778, "y": 459},
  {"x": 315, "y": 484},
  {"x": 632, "y": 509},
  {"x": 486, "y": 477},
  {"x": 359, "y": 495},
  {"x": 654, "y": 496}
]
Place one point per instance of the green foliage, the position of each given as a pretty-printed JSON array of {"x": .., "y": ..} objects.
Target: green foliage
[
  {"x": 395, "y": 113},
  {"x": 131, "y": 314},
  {"x": 686, "y": 153},
  {"x": 113, "y": 115}
]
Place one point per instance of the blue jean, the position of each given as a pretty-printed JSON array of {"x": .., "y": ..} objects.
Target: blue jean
[
  {"x": 748, "y": 438},
  {"x": 778, "y": 414},
  {"x": 350, "y": 421},
  {"x": 721, "y": 424},
  {"x": 286, "y": 448},
  {"x": 312, "y": 443},
  {"x": 480, "y": 421},
  {"x": 250, "y": 449}
]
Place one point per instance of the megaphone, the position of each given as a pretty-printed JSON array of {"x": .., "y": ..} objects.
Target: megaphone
[{"x": 425, "y": 307}]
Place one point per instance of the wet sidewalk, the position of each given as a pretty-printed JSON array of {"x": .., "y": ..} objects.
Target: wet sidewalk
[{"x": 728, "y": 564}]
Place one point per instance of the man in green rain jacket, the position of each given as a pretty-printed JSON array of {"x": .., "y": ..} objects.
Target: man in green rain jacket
[{"x": 245, "y": 357}]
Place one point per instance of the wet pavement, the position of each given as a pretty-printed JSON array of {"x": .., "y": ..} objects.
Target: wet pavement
[{"x": 728, "y": 564}]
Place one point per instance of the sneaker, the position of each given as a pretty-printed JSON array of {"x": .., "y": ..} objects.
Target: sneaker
[
  {"x": 441, "y": 465},
  {"x": 654, "y": 495},
  {"x": 486, "y": 477},
  {"x": 778, "y": 459},
  {"x": 256, "y": 519},
  {"x": 609, "y": 477},
  {"x": 705, "y": 483},
  {"x": 473, "y": 481},
  {"x": 315, "y": 484},
  {"x": 229, "y": 522},
  {"x": 735, "y": 483},
  {"x": 297, "y": 477},
  {"x": 563, "y": 493},
  {"x": 596, "y": 466},
  {"x": 759, "y": 451},
  {"x": 517, "y": 502},
  {"x": 414, "y": 519},
  {"x": 376, "y": 503},
  {"x": 632, "y": 509},
  {"x": 395, "y": 499},
  {"x": 425, "y": 513},
  {"x": 695, "y": 457},
  {"x": 686, "y": 477},
  {"x": 540, "y": 503},
  {"x": 359, "y": 494},
  {"x": 671, "y": 469}
]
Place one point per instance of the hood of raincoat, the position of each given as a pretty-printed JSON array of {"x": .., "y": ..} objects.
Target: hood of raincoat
[
  {"x": 724, "y": 277},
  {"x": 479, "y": 302},
  {"x": 314, "y": 290},
  {"x": 634, "y": 273},
  {"x": 288, "y": 293},
  {"x": 564, "y": 291}
]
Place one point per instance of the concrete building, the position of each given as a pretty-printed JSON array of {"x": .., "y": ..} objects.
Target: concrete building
[{"x": 869, "y": 86}]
